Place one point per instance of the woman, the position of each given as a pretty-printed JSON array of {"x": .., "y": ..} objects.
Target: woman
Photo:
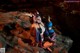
[
  {"x": 38, "y": 31},
  {"x": 50, "y": 30}
]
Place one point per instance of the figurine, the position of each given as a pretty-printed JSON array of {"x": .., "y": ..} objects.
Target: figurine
[
  {"x": 39, "y": 29},
  {"x": 51, "y": 31}
]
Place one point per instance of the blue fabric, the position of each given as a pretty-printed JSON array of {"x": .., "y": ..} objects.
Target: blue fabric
[
  {"x": 46, "y": 33},
  {"x": 51, "y": 31},
  {"x": 49, "y": 25},
  {"x": 37, "y": 35}
]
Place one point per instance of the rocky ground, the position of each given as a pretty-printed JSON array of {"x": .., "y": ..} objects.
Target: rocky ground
[{"x": 62, "y": 43}]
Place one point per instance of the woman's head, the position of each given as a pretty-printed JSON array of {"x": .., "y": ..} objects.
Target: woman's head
[
  {"x": 48, "y": 18},
  {"x": 38, "y": 19}
]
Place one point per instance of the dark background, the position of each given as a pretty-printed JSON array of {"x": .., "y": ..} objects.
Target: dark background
[{"x": 65, "y": 16}]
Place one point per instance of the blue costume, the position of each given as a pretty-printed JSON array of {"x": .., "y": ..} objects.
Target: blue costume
[
  {"x": 49, "y": 28},
  {"x": 38, "y": 38}
]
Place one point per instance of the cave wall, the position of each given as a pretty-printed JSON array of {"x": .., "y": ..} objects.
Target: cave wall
[{"x": 66, "y": 21}]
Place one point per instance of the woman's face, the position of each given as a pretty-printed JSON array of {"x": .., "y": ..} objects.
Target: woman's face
[{"x": 38, "y": 19}]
